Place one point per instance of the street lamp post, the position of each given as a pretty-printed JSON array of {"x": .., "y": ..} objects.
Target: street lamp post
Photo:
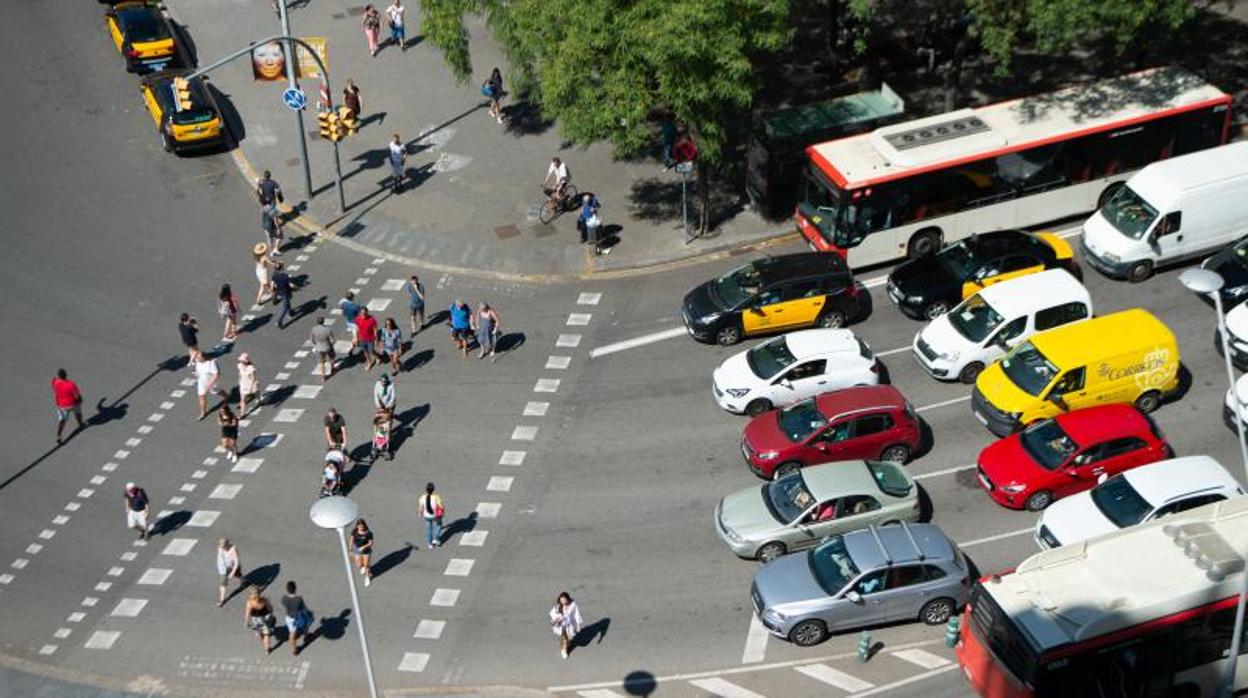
[
  {"x": 1210, "y": 282},
  {"x": 338, "y": 513}
]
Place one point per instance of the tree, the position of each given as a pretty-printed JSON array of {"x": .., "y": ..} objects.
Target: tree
[{"x": 602, "y": 68}]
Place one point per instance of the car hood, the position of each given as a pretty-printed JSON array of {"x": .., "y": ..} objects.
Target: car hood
[
  {"x": 1237, "y": 323},
  {"x": 735, "y": 372},
  {"x": 999, "y": 390},
  {"x": 764, "y": 433},
  {"x": 1241, "y": 389},
  {"x": 1006, "y": 462},
  {"x": 1226, "y": 263},
  {"x": 925, "y": 276},
  {"x": 1076, "y": 518},
  {"x": 699, "y": 302},
  {"x": 745, "y": 513},
  {"x": 787, "y": 580},
  {"x": 943, "y": 338}
]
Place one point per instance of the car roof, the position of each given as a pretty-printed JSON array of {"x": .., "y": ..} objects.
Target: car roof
[
  {"x": 1081, "y": 342},
  {"x": 781, "y": 268},
  {"x": 847, "y": 400},
  {"x": 808, "y": 343},
  {"x": 896, "y": 544},
  {"x": 839, "y": 479},
  {"x": 1030, "y": 292},
  {"x": 1088, "y": 426},
  {"x": 1160, "y": 482}
]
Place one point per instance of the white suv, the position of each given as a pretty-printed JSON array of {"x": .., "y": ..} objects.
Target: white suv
[{"x": 793, "y": 367}]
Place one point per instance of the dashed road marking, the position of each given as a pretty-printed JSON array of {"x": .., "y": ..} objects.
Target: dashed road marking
[
  {"x": 558, "y": 363},
  {"x": 546, "y": 385},
  {"x": 186, "y": 487},
  {"x": 224, "y": 491},
  {"x": 392, "y": 284},
  {"x": 121, "y": 455},
  {"x": 579, "y": 319},
  {"x": 638, "y": 341},
  {"x": 144, "y": 429},
  {"x": 943, "y": 403},
  {"x": 199, "y": 474},
  {"x": 129, "y": 556},
  {"x": 488, "y": 510},
  {"x": 116, "y": 571},
  {"x": 755, "y": 642},
  {"x": 155, "y": 416},
  {"x": 179, "y": 393},
  {"x": 133, "y": 441},
  {"x": 203, "y": 518},
  {"x": 524, "y": 433},
  {"x": 444, "y": 597},
  {"x": 588, "y": 299},
  {"x": 890, "y": 687},
  {"x": 155, "y": 576},
  {"x": 414, "y": 661},
  {"x": 999, "y": 536},
  {"x": 429, "y": 629},
  {"x": 20, "y": 563},
  {"x": 512, "y": 458},
  {"x": 301, "y": 354},
  {"x": 473, "y": 539},
  {"x": 536, "y": 409},
  {"x": 290, "y": 365},
  {"x": 89, "y": 601},
  {"x": 307, "y": 392},
  {"x": 85, "y": 493},
  {"x": 47, "y": 649},
  {"x": 60, "y": 520},
  {"x": 722, "y": 688},
  {"x": 283, "y": 376},
  {"x": 62, "y": 633},
  {"x": 835, "y": 677},
  {"x": 570, "y": 341},
  {"x": 247, "y": 465},
  {"x": 288, "y": 414},
  {"x": 500, "y": 483},
  {"x": 47, "y": 533},
  {"x": 459, "y": 567},
  {"x": 921, "y": 658},
  {"x": 129, "y": 608},
  {"x": 75, "y": 617},
  {"x": 103, "y": 586},
  {"x": 6, "y": 578},
  {"x": 98, "y": 480},
  {"x": 378, "y": 305},
  {"x": 33, "y": 549},
  {"x": 102, "y": 639},
  {"x": 72, "y": 506}
]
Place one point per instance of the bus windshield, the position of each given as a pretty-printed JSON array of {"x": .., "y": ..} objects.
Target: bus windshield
[
  {"x": 1130, "y": 214},
  {"x": 1027, "y": 368},
  {"x": 974, "y": 318},
  {"x": 820, "y": 203}
]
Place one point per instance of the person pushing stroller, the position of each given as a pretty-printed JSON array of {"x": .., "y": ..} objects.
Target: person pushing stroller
[{"x": 384, "y": 399}]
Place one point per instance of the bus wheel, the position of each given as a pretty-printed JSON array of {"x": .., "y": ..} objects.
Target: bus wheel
[
  {"x": 1108, "y": 194},
  {"x": 923, "y": 243}
]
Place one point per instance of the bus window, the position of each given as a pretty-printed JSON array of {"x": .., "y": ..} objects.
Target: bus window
[
  {"x": 1198, "y": 130},
  {"x": 1033, "y": 170}
]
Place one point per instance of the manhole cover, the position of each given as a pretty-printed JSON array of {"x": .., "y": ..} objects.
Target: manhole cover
[{"x": 506, "y": 231}]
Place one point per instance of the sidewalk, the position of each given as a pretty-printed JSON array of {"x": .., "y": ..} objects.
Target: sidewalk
[{"x": 472, "y": 199}]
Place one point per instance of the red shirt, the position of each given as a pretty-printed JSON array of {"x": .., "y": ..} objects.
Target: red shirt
[
  {"x": 367, "y": 328},
  {"x": 66, "y": 392}
]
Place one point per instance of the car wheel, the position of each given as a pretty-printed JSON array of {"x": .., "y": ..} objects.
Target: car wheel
[
  {"x": 832, "y": 319},
  {"x": 923, "y": 243},
  {"x": 1039, "y": 500},
  {"x": 970, "y": 372},
  {"x": 728, "y": 335},
  {"x": 1148, "y": 401},
  {"x": 770, "y": 551},
  {"x": 935, "y": 309},
  {"x": 808, "y": 632},
  {"x": 897, "y": 453},
  {"x": 936, "y": 611},
  {"x": 1140, "y": 271},
  {"x": 786, "y": 469},
  {"x": 165, "y": 142},
  {"x": 757, "y": 407}
]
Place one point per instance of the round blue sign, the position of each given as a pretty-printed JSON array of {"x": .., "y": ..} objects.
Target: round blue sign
[{"x": 294, "y": 98}]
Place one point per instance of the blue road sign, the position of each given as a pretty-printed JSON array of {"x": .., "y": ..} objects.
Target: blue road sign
[{"x": 294, "y": 98}]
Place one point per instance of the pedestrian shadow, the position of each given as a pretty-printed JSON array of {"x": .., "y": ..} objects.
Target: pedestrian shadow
[
  {"x": 170, "y": 523},
  {"x": 275, "y": 398},
  {"x": 589, "y": 633},
  {"x": 509, "y": 341},
  {"x": 405, "y": 425},
  {"x": 392, "y": 559},
  {"x": 413, "y": 177},
  {"x": 107, "y": 413},
  {"x": 417, "y": 360},
  {"x": 439, "y": 318},
  {"x": 257, "y": 443},
  {"x": 609, "y": 237},
  {"x": 330, "y": 628},
  {"x": 459, "y": 527},
  {"x": 296, "y": 243},
  {"x": 255, "y": 323},
  {"x": 306, "y": 308},
  {"x": 379, "y": 117},
  {"x": 361, "y": 464},
  {"x": 260, "y": 578}
]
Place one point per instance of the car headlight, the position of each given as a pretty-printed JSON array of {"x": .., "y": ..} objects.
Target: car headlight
[
  {"x": 914, "y": 299},
  {"x": 707, "y": 319},
  {"x": 738, "y": 392},
  {"x": 1235, "y": 291},
  {"x": 768, "y": 455},
  {"x": 1111, "y": 257},
  {"x": 731, "y": 534},
  {"x": 1013, "y": 489},
  {"x": 774, "y": 616},
  {"x": 949, "y": 355}
]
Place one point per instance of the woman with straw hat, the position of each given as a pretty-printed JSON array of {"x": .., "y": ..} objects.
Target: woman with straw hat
[{"x": 264, "y": 271}]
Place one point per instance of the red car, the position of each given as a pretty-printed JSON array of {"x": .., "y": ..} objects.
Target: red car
[
  {"x": 1070, "y": 453},
  {"x": 865, "y": 423}
]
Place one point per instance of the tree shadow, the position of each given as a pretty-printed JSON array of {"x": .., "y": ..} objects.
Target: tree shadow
[
  {"x": 459, "y": 526},
  {"x": 589, "y": 633},
  {"x": 524, "y": 119},
  {"x": 392, "y": 559},
  {"x": 655, "y": 200}
]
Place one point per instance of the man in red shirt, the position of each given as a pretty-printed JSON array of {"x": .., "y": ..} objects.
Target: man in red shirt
[
  {"x": 366, "y": 335},
  {"x": 68, "y": 401}
]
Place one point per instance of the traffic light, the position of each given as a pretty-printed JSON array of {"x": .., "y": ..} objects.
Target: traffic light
[
  {"x": 350, "y": 124},
  {"x": 182, "y": 93},
  {"x": 329, "y": 125}
]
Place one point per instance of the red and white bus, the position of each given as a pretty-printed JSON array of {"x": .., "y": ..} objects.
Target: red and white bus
[
  {"x": 1146, "y": 612},
  {"x": 905, "y": 189}
]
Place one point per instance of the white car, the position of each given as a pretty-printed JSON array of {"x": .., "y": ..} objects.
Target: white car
[
  {"x": 1228, "y": 404},
  {"x": 793, "y": 367},
  {"x": 981, "y": 329},
  {"x": 1135, "y": 496}
]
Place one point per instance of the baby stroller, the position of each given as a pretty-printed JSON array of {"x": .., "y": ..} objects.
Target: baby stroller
[
  {"x": 383, "y": 425},
  {"x": 331, "y": 480}
]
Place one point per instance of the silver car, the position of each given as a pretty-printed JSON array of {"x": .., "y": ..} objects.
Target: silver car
[{"x": 863, "y": 578}]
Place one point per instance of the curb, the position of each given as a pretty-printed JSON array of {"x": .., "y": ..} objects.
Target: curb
[{"x": 712, "y": 253}]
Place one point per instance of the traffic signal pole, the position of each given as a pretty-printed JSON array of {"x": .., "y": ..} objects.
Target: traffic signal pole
[{"x": 293, "y": 84}]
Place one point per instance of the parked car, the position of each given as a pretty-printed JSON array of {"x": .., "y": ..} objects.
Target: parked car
[
  {"x": 1142, "y": 494},
  {"x": 929, "y": 286},
  {"x": 981, "y": 329},
  {"x": 871, "y": 422},
  {"x": 774, "y": 294},
  {"x": 1237, "y": 334},
  {"x": 1228, "y": 404},
  {"x": 142, "y": 33},
  {"x": 863, "y": 578},
  {"x": 793, "y": 367},
  {"x": 1232, "y": 265},
  {"x": 193, "y": 124},
  {"x": 1069, "y": 453}
]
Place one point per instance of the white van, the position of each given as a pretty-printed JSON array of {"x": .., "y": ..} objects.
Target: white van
[
  {"x": 982, "y": 328},
  {"x": 1171, "y": 210}
]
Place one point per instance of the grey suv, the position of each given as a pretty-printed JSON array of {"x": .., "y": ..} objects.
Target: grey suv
[{"x": 867, "y": 577}]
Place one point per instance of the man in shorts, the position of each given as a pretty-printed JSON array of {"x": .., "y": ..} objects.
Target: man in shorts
[
  {"x": 415, "y": 302},
  {"x": 366, "y": 334},
  {"x": 350, "y": 310},
  {"x": 461, "y": 326},
  {"x": 335, "y": 430},
  {"x": 322, "y": 339},
  {"x": 269, "y": 195},
  {"x": 298, "y": 617},
  {"x": 137, "y": 509},
  {"x": 68, "y": 401},
  {"x": 206, "y": 376}
]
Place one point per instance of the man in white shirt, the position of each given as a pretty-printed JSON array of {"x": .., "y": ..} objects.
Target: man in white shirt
[
  {"x": 557, "y": 175},
  {"x": 394, "y": 13},
  {"x": 206, "y": 376},
  {"x": 398, "y": 156}
]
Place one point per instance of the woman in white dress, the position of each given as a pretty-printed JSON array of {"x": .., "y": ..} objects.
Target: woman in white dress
[
  {"x": 565, "y": 621},
  {"x": 264, "y": 271}
]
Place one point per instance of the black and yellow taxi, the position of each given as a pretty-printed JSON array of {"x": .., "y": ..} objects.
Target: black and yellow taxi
[
  {"x": 774, "y": 294},
  {"x": 142, "y": 34},
  {"x": 928, "y": 286},
  {"x": 185, "y": 112}
]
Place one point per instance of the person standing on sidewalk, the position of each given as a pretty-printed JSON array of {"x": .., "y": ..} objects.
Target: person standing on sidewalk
[
  {"x": 206, "y": 377},
  {"x": 461, "y": 326},
  {"x": 372, "y": 26},
  {"x": 258, "y": 617},
  {"x": 588, "y": 222},
  {"x": 248, "y": 383},
  {"x": 351, "y": 98},
  {"x": 493, "y": 88},
  {"x": 228, "y": 567},
  {"x": 282, "y": 291},
  {"x": 431, "y": 510},
  {"x": 322, "y": 339},
  {"x": 394, "y": 13},
  {"x": 415, "y": 303},
  {"x": 366, "y": 333},
  {"x": 227, "y": 308},
  {"x": 298, "y": 617},
  {"x": 362, "y": 544},
  {"x": 398, "y": 157},
  {"x": 565, "y": 621},
  {"x": 68, "y": 401},
  {"x": 188, "y": 330},
  {"x": 486, "y": 326},
  {"x": 228, "y": 421},
  {"x": 136, "y": 509},
  {"x": 392, "y": 344}
]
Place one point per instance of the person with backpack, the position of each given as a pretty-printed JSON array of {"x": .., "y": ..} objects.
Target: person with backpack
[
  {"x": 493, "y": 89},
  {"x": 431, "y": 510}
]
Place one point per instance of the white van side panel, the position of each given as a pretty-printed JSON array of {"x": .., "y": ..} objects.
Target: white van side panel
[{"x": 1214, "y": 216}]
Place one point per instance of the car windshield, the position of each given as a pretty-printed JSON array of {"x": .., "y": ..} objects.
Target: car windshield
[
  {"x": 1027, "y": 368},
  {"x": 1119, "y": 502},
  {"x": 736, "y": 287},
  {"x": 1047, "y": 444},
  {"x": 769, "y": 358},
  {"x": 1130, "y": 214},
  {"x": 974, "y": 318},
  {"x": 788, "y": 497},
  {"x": 140, "y": 24},
  {"x": 957, "y": 259},
  {"x": 800, "y": 420},
  {"x": 832, "y": 566},
  {"x": 889, "y": 478}
]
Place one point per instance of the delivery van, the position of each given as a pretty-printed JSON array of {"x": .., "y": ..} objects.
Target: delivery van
[
  {"x": 1171, "y": 210},
  {"x": 1125, "y": 357}
]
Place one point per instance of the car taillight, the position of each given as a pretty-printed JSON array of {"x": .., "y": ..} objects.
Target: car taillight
[
  {"x": 130, "y": 52},
  {"x": 854, "y": 289}
]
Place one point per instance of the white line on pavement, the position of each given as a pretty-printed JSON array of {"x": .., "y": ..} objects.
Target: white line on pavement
[
  {"x": 725, "y": 689},
  {"x": 946, "y": 471},
  {"x": 834, "y": 677},
  {"x": 638, "y": 341},
  {"x": 890, "y": 352},
  {"x": 755, "y": 642},
  {"x": 934, "y": 405},
  {"x": 904, "y": 682},
  {"x": 999, "y": 536}
]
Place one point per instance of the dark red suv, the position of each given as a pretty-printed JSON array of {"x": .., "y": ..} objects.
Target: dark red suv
[{"x": 871, "y": 422}]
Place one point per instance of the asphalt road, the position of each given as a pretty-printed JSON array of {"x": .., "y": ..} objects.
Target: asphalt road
[{"x": 107, "y": 239}]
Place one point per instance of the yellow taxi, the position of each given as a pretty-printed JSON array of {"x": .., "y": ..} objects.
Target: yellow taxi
[
  {"x": 142, "y": 33},
  {"x": 185, "y": 112}
]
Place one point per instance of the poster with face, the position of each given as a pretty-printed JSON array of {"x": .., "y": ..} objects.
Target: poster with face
[{"x": 268, "y": 62}]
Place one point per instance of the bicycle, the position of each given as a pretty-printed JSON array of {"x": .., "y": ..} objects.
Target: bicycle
[{"x": 551, "y": 208}]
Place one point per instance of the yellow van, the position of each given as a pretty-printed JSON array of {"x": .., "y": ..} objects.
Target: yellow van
[{"x": 1124, "y": 357}]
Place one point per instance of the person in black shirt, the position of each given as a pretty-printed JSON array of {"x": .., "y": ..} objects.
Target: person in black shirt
[
  {"x": 362, "y": 544},
  {"x": 188, "y": 329},
  {"x": 335, "y": 430},
  {"x": 136, "y": 509},
  {"x": 298, "y": 617},
  {"x": 282, "y": 290}
]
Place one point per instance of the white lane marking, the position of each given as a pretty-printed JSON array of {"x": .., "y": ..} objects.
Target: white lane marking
[
  {"x": 129, "y": 556},
  {"x": 6, "y": 578},
  {"x": 834, "y": 677},
  {"x": 536, "y": 409},
  {"x": 301, "y": 258},
  {"x": 921, "y": 658},
  {"x": 103, "y": 586},
  {"x": 98, "y": 480},
  {"x": 944, "y": 403},
  {"x": 187, "y": 382},
  {"x": 187, "y": 487},
  {"x": 155, "y": 576},
  {"x": 429, "y": 629},
  {"x": 47, "y": 649},
  {"x": 163, "y": 513},
  {"x": 724, "y": 688},
  {"x": 33, "y": 549},
  {"x": 247, "y": 465},
  {"x": 72, "y": 506},
  {"x": 473, "y": 539},
  {"x": 89, "y": 601},
  {"x": 488, "y": 510},
  {"x": 179, "y": 546},
  {"x": 294, "y": 267},
  {"x": 47, "y": 533},
  {"x": 512, "y": 458},
  {"x": 85, "y": 494},
  {"x": 62, "y": 633},
  {"x": 133, "y": 441},
  {"x": 20, "y": 563},
  {"x": 288, "y": 415},
  {"x": 199, "y": 474},
  {"x": 638, "y": 341},
  {"x": 558, "y": 363},
  {"x": 524, "y": 433},
  {"x": 377, "y": 305},
  {"x": 588, "y": 299},
  {"x": 755, "y": 642},
  {"x": 392, "y": 284},
  {"x": 116, "y": 571},
  {"x": 129, "y": 608},
  {"x": 225, "y": 492},
  {"x": 999, "y": 536},
  {"x": 155, "y": 416},
  {"x": 144, "y": 429},
  {"x": 121, "y": 455},
  {"x": 570, "y": 341},
  {"x": 179, "y": 393},
  {"x": 370, "y": 271},
  {"x": 444, "y": 597},
  {"x": 307, "y": 392},
  {"x": 360, "y": 282},
  {"x": 890, "y": 352},
  {"x": 500, "y": 483},
  {"x": 886, "y": 688},
  {"x": 459, "y": 567},
  {"x": 108, "y": 467},
  {"x": 203, "y": 519},
  {"x": 289, "y": 366},
  {"x": 946, "y": 471},
  {"x": 212, "y": 460},
  {"x": 75, "y": 617},
  {"x": 414, "y": 661},
  {"x": 284, "y": 375},
  {"x": 579, "y": 319},
  {"x": 546, "y": 385},
  {"x": 166, "y": 405},
  {"x": 599, "y": 693}
]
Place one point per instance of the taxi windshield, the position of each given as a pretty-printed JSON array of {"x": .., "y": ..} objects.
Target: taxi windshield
[
  {"x": 736, "y": 287},
  {"x": 974, "y": 318},
  {"x": 1130, "y": 214},
  {"x": 1027, "y": 368},
  {"x": 788, "y": 497},
  {"x": 769, "y": 358},
  {"x": 832, "y": 566},
  {"x": 1047, "y": 444},
  {"x": 141, "y": 24},
  {"x": 958, "y": 259},
  {"x": 193, "y": 116},
  {"x": 800, "y": 420},
  {"x": 1119, "y": 502}
]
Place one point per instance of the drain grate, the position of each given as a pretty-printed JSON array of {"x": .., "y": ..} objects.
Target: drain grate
[{"x": 506, "y": 231}]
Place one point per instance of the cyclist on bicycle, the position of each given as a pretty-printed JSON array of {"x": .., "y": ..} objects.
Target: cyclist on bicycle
[{"x": 557, "y": 174}]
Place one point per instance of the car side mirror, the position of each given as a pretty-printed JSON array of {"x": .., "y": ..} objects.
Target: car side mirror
[
  {"x": 786, "y": 383},
  {"x": 1056, "y": 399},
  {"x": 1002, "y": 344},
  {"x": 853, "y": 596},
  {"x": 1072, "y": 471}
]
